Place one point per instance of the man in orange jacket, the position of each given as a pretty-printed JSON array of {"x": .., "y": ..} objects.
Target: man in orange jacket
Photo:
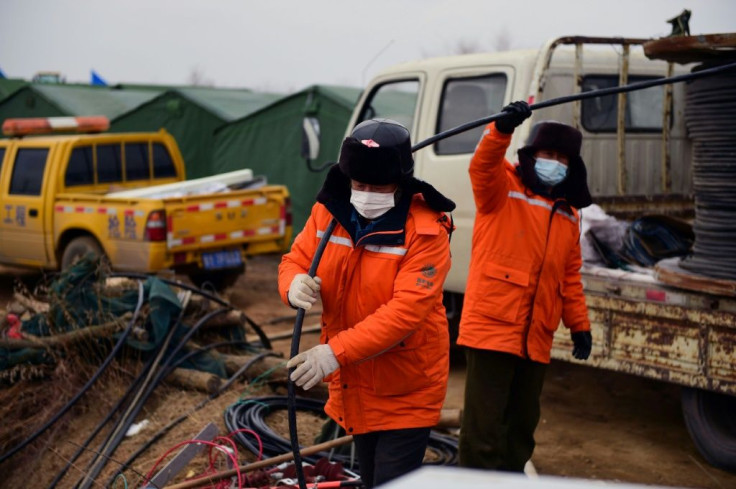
[
  {"x": 384, "y": 343},
  {"x": 524, "y": 277}
]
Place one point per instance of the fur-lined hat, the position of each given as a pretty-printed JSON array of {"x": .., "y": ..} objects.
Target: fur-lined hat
[
  {"x": 568, "y": 141},
  {"x": 377, "y": 152}
]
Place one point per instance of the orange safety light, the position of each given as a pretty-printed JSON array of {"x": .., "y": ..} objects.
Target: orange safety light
[{"x": 50, "y": 125}]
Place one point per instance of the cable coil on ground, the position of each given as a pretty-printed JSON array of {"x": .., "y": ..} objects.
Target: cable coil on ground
[{"x": 252, "y": 413}]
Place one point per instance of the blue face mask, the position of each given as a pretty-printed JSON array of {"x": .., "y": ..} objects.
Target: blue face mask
[{"x": 550, "y": 172}]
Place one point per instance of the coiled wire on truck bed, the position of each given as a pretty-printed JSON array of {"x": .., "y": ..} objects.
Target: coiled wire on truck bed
[
  {"x": 710, "y": 116},
  {"x": 252, "y": 413}
]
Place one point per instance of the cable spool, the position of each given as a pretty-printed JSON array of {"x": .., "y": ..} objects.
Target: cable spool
[{"x": 710, "y": 116}]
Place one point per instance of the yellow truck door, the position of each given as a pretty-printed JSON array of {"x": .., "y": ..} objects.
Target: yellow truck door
[{"x": 23, "y": 208}]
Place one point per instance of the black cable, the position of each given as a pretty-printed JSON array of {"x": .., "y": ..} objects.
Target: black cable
[
  {"x": 294, "y": 351},
  {"x": 94, "y": 466},
  {"x": 573, "y": 98},
  {"x": 117, "y": 435},
  {"x": 86, "y": 386},
  {"x": 101, "y": 424},
  {"x": 175, "y": 283},
  {"x": 251, "y": 414},
  {"x": 160, "y": 433}
]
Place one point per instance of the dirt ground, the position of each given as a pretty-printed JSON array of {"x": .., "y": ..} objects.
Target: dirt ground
[{"x": 595, "y": 424}]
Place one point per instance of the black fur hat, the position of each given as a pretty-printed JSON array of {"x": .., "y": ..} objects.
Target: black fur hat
[
  {"x": 377, "y": 152},
  {"x": 557, "y": 136}
]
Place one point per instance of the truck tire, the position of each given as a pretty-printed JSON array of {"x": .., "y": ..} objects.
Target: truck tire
[
  {"x": 78, "y": 248},
  {"x": 709, "y": 417},
  {"x": 217, "y": 279}
]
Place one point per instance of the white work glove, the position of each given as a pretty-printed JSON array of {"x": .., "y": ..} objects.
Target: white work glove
[
  {"x": 303, "y": 291},
  {"x": 312, "y": 366}
]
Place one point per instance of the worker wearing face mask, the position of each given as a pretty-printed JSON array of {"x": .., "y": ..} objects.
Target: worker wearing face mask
[
  {"x": 384, "y": 347},
  {"x": 524, "y": 277}
]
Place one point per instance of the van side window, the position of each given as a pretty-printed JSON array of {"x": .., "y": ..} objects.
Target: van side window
[
  {"x": 163, "y": 166},
  {"x": 465, "y": 100},
  {"x": 395, "y": 100},
  {"x": 643, "y": 107},
  {"x": 109, "y": 167},
  {"x": 30, "y": 165},
  {"x": 136, "y": 161},
  {"x": 80, "y": 169}
]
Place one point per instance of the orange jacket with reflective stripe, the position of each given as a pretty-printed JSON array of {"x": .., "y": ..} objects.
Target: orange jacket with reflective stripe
[
  {"x": 525, "y": 263},
  {"x": 383, "y": 317}
]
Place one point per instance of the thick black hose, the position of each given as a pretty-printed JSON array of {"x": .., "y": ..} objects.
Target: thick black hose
[
  {"x": 86, "y": 386},
  {"x": 578, "y": 96},
  {"x": 294, "y": 351},
  {"x": 252, "y": 413}
]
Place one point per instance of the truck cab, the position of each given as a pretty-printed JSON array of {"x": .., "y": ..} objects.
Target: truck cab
[{"x": 433, "y": 95}]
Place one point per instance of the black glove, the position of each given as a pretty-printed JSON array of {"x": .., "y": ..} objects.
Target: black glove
[
  {"x": 517, "y": 112},
  {"x": 583, "y": 342}
]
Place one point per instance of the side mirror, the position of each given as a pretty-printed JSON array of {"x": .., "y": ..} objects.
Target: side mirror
[{"x": 310, "y": 138}]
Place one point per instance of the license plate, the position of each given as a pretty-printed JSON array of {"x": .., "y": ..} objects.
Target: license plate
[{"x": 221, "y": 259}]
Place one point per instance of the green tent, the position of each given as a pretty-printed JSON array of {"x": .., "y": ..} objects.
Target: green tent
[
  {"x": 191, "y": 115},
  {"x": 9, "y": 86},
  {"x": 269, "y": 141},
  {"x": 40, "y": 100}
]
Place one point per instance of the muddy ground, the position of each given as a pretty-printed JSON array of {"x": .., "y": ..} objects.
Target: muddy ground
[{"x": 595, "y": 424}]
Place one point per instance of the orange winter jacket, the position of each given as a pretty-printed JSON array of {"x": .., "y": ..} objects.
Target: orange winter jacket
[
  {"x": 382, "y": 316},
  {"x": 525, "y": 263}
]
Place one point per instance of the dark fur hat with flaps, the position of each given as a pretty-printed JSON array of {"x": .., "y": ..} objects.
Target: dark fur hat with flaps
[
  {"x": 567, "y": 140},
  {"x": 378, "y": 152}
]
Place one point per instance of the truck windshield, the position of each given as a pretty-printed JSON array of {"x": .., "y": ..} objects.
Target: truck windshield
[{"x": 395, "y": 100}]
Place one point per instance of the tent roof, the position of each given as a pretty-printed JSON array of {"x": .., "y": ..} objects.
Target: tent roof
[
  {"x": 8, "y": 86},
  {"x": 78, "y": 100},
  {"x": 228, "y": 104},
  {"x": 342, "y": 95}
]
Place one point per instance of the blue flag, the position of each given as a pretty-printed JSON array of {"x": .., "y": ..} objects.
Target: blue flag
[
  {"x": 2, "y": 75},
  {"x": 96, "y": 79}
]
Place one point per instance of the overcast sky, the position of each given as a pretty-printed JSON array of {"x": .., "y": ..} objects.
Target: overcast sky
[{"x": 284, "y": 46}]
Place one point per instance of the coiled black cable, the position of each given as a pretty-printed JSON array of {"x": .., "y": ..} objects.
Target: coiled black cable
[
  {"x": 86, "y": 387},
  {"x": 251, "y": 414}
]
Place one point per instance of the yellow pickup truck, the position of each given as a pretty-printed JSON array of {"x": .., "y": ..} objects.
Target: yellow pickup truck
[{"x": 124, "y": 196}]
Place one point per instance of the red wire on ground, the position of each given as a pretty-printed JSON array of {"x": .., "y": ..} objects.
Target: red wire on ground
[
  {"x": 221, "y": 448},
  {"x": 258, "y": 438}
]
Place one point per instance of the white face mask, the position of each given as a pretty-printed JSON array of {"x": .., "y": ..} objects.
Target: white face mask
[{"x": 372, "y": 204}]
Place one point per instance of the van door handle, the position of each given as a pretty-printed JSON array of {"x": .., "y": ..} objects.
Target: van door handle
[{"x": 33, "y": 212}]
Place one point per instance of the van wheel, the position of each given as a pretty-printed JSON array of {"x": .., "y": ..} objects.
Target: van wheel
[
  {"x": 217, "y": 279},
  {"x": 79, "y": 248},
  {"x": 709, "y": 417}
]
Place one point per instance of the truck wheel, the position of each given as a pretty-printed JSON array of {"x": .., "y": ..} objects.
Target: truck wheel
[
  {"x": 217, "y": 279},
  {"x": 709, "y": 417},
  {"x": 79, "y": 248}
]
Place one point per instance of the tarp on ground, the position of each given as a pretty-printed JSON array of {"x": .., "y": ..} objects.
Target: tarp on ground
[
  {"x": 191, "y": 115},
  {"x": 269, "y": 141},
  {"x": 40, "y": 100}
]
